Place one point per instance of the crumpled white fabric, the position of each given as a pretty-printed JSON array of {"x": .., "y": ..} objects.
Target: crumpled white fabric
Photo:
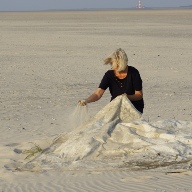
[{"x": 117, "y": 137}]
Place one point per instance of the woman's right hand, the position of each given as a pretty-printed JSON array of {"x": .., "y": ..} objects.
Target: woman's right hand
[{"x": 82, "y": 102}]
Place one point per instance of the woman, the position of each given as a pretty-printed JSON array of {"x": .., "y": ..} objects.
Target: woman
[{"x": 122, "y": 79}]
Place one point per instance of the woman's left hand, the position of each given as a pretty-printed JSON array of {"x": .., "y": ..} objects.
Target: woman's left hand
[{"x": 124, "y": 94}]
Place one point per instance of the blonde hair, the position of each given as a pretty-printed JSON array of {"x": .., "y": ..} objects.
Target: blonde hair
[{"x": 118, "y": 59}]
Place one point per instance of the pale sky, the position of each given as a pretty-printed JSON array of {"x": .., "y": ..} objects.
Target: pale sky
[{"x": 29, "y": 5}]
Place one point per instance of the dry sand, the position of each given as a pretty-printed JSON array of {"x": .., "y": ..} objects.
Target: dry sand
[{"x": 50, "y": 60}]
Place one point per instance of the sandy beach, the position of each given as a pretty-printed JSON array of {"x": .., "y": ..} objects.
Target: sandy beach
[{"x": 50, "y": 60}]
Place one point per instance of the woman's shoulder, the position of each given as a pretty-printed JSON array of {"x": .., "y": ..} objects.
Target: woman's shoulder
[
  {"x": 132, "y": 69},
  {"x": 109, "y": 73}
]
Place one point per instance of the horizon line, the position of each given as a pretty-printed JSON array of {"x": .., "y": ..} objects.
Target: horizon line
[{"x": 102, "y": 9}]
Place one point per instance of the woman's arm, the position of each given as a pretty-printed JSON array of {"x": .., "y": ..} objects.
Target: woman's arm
[
  {"x": 137, "y": 96},
  {"x": 95, "y": 96}
]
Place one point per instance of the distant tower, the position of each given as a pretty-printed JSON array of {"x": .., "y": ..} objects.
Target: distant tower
[{"x": 140, "y": 6}]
